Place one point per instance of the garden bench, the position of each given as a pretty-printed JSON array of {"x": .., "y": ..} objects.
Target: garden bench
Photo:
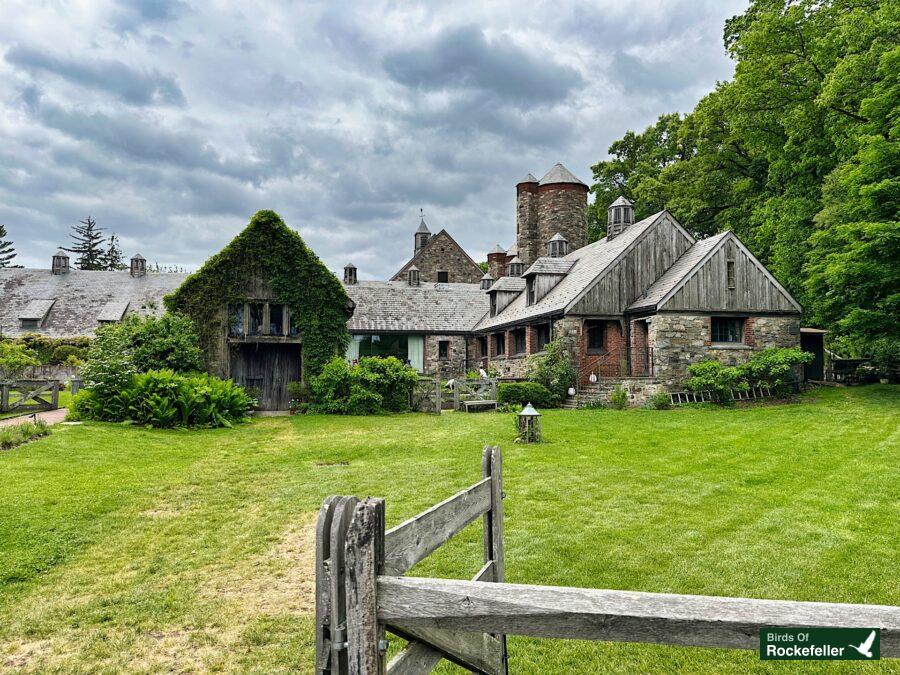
[{"x": 475, "y": 405}]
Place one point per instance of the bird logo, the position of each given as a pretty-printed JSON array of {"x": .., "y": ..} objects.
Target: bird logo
[{"x": 865, "y": 648}]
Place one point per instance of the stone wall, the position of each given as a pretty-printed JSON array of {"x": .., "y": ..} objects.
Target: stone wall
[
  {"x": 678, "y": 340},
  {"x": 455, "y": 363},
  {"x": 562, "y": 208},
  {"x": 526, "y": 222},
  {"x": 442, "y": 253}
]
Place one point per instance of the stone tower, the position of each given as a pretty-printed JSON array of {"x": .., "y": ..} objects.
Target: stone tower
[
  {"x": 557, "y": 204},
  {"x": 527, "y": 240},
  {"x": 562, "y": 208}
]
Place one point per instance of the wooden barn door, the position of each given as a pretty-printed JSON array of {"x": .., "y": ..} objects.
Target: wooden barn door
[{"x": 267, "y": 369}]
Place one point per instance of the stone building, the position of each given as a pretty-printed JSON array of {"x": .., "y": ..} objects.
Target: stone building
[
  {"x": 439, "y": 259},
  {"x": 636, "y": 307}
]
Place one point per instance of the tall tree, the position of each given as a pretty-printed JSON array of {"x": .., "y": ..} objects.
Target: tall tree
[
  {"x": 113, "y": 258},
  {"x": 88, "y": 245},
  {"x": 7, "y": 252}
]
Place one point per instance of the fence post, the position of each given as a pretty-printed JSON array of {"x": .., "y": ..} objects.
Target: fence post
[
  {"x": 492, "y": 467},
  {"x": 54, "y": 396},
  {"x": 438, "y": 395},
  {"x": 364, "y": 559},
  {"x": 4, "y": 397}
]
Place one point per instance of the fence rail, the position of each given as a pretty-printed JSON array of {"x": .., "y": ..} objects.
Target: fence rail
[
  {"x": 360, "y": 596},
  {"x": 42, "y": 394},
  {"x": 473, "y": 390}
]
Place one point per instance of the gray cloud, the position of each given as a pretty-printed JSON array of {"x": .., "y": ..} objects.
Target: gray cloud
[
  {"x": 130, "y": 85},
  {"x": 176, "y": 120},
  {"x": 462, "y": 58}
]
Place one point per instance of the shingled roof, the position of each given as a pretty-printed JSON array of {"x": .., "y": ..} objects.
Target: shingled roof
[
  {"x": 78, "y": 300},
  {"x": 550, "y": 266},
  {"x": 560, "y": 174},
  {"x": 588, "y": 264},
  {"x": 386, "y": 306}
]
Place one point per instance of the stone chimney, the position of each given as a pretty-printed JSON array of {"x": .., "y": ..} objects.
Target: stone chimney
[
  {"x": 486, "y": 281},
  {"x": 423, "y": 234},
  {"x": 413, "y": 276},
  {"x": 60, "y": 263},
  {"x": 527, "y": 237},
  {"x": 619, "y": 216},
  {"x": 138, "y": 265},
  {"x": 496, "y": 259}
]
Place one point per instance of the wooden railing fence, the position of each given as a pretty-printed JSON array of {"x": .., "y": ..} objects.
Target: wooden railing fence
[
  {"x": 426, "y": 395},
  {"x": 28, "y": 395},
  {"x": 473, "y": 390},
  {"x": 361, "y": 594}
]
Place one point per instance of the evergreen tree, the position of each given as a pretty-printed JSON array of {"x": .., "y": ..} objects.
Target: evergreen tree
[
  {"x": 7, "y": 252},
  {"x": 88, "y": 245},
  {"x": 112, "y": 257}
]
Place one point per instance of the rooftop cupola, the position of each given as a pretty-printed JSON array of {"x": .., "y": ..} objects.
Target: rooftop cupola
[
  {"x": 515, "y": 267},
  {"x": 138, "y": 265},
  {"x": 60, "y": 263},
  {"x": 558, "y": 246},
  {"x": 486, "y": 281},
  {"x": 413, "y": 276},
  {"x": 350, "y": 274},
  {"x": 619, "y": 216},
  {"x": 423, "y": 234}
]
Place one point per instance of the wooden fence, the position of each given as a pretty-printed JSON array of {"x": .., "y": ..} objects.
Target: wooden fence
[
  {"x": 426, "y": 395},
  {"x": 361, "y": 594},
  {"x": 29, "y": 395},
  {"x": 480, "y": 389}
]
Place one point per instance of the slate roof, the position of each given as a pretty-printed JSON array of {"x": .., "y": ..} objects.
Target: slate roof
[
  {"x": 560, "y": 174},
  {"x": 508, "y": 284},
  {"x": 383, "y": 306},
  {"x": 423, "y": 228},
  {"x": 622, "y": 201},
  {"x": 529, "y": 178},
  {"x": 432, "y": 241},
  {"x": 681, "y": 269},
  {"x": 588, "y": 263},
  {"x": 550, "y": 266},
  {"x": 80, "y": 297},
  {"x": 36, "y": 309},
  {"x": 113, "y": 311}
]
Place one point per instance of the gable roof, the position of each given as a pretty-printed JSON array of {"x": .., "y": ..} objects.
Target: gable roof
[
  {"x": 78, "y": 297},
  {"x": 589, "y": 264},
  {"x": 395, "y": 306},
  {"x": 687, "y": 266},
  {"x": 431, "y": 242}
]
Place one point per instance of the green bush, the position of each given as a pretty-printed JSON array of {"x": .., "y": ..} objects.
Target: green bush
[
  {"x": 165, "y": 399},
  {"x": 44, "y": 346},
  {"x": 107, "y": 372},
  {"x": 14, "y": 358},
  {"x": 64, "y": 354},
  {"x": 372, "y": 386},
  {"x": 886, "y": 357},
  {"x": 17, "y": 434},
  {"x": 522, "y": 393},
  {"x": 168, "y": 341},
  {"x": 659, "y": 401},
  {"x": 775, "y": 368},
  {"x": 618, "y": 399},
  {"x": 716, "y": 378},
  {"x": 553, "y": 369}
]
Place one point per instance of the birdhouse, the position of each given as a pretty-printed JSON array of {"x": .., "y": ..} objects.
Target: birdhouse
[{"x": 529, "y": 425}]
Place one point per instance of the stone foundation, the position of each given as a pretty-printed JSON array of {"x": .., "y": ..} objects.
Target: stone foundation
[{"x": 678, "y": 340}]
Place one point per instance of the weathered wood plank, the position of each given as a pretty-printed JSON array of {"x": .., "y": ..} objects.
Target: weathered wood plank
[
  {"x": 415, "y": 539},
  {"x": 476, "y": 651},
  {"x": 415, "y": 659},
  {"x": 340, "y": 522},
  {"x": 323, "y": 585},
  {"x": 363, "y": 554},
  {"x": 619, "y": 616}
]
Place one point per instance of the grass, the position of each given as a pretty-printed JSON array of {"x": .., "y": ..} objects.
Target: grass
[
  {"x": 128, "y": 548},
  {"x": 17, "y": 434}
]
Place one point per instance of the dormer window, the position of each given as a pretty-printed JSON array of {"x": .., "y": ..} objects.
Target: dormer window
[
  {"x": 413, "y": 276},
  {"x": 515, "y": 267},
  {"x": 558, "y": 246}
]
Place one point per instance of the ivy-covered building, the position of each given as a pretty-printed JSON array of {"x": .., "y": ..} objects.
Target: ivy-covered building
[{"x": 638, "y": 306}]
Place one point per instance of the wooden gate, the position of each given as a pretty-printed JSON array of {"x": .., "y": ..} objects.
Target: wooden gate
[
  {"x": 42, "y": 394},
  {"x": 360, "y": 594},
  {"x": 354, "y": 554},
  {"x": 426, "y": 395}
]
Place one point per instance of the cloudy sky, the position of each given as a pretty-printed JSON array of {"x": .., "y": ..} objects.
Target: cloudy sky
[{"x": 172, "y": 121}]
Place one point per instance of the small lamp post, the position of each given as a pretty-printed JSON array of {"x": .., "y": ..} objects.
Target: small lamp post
[{"x": 529, "y": 425}]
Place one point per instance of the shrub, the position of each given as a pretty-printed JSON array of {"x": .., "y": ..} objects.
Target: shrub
[
  {"x": 372, "y": 386},
  {"x": 66, "y": 354},
  {"x": 108, "y": 372},
  {"x": 554, "y": 369},
  {"x": 165, "y": 399},
  {"x": 168, "y": 341},
  {"x": 522, "y": 393},
  {"x": 17, "y": 434},
  {"x": 659, "y": 401},
  {"x": 618, "y": 399},
  {"x": 14, "y": 358},
  {"x": 774, "y": 368},
  {"x": 886, "y": 357},
  {"x": 44, "y": 346},
  {"x": 716, "y": 378}
]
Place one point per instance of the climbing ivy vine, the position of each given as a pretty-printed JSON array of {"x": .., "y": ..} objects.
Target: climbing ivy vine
[{"x": 268, "y": 249}]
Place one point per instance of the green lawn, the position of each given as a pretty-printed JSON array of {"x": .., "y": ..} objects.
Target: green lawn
[{"x": 126, "y": 548}]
